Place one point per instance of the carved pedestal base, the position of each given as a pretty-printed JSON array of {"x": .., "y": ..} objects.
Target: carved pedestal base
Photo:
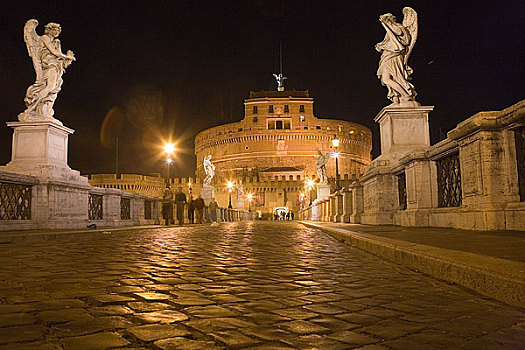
[
  {"x": 59, "y": 195},
  {"x": 403, "y": 129},
  {"x": 40, "y": 149},
  {"x": 207, "y": 193},
  {"x": 323, "y": 191}
]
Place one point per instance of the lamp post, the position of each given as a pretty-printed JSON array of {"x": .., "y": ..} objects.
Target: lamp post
[
  {"x": 189, "y": 185},
  {"x": 168, "y": 162},
  {"x": 309, "y": 185},
  {"x": 335, "y": 144},
  {"x": 230, "y": 189},
  {"x": 250, "y": 197},
  {"x": 168, "y": 149}
]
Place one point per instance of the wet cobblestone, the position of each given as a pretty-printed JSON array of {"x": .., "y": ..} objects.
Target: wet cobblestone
[{"x": 251, "y": 285}]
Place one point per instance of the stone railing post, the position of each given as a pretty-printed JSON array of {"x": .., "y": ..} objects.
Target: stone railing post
[
  {"x": 338, "y": 206},
  {"x": 111, "y": 211},
  {"x": 317, "y": 211},
  {"x": 332, "y": 207},
  {"x": 323, "y": 210},
  {"x": 155, "y": 211},
  {"x": 357, "y": 203},
  {"x": 137, "y": 209},
  {"x": 347, "y": 205}
]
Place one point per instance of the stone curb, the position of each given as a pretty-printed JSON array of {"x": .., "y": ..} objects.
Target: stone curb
[
  {"x": 40, "y": 236},
  {"x": 499, "y": 279}
]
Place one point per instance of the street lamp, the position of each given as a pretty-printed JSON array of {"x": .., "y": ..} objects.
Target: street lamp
[
  {"x": 230, "y": 189},
  {"x": 301, "y": 198},
  {"x": 168, "y": 149},
  {"x": 309, "y": 185},
  {"x": 168, "y": 162},
  {"x": 335, "y": 144},
  {"x": 189, "y": 185},
  {"x": 250, "y": 197}
]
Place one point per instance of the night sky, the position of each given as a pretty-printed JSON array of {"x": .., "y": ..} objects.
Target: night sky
[{"x": 159, "y": 69}]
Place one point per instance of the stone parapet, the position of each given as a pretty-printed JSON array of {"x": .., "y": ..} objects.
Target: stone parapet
[{"x": 474, "y": 179}]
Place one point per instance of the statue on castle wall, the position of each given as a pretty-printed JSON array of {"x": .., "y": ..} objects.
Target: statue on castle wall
[
  {"x": 209, "y": 169},
  {"x": 322, "y": 160},
  {"x": 49, "y": 63},
  {"x": 395, "y": 50}
]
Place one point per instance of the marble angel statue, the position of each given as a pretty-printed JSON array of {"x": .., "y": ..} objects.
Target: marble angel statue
[
  {"x": 240, "y": 190},
  {"x": 395, "y": 49},
  {"x": 49, "y": 63},
  {"x": 322, "y": 159},
  {"x": 209, "y": 169}
]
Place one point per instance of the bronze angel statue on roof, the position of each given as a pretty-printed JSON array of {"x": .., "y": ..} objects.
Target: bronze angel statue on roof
[
  {"x": 395, "y": 49},
  {"x": 49, "y": 63}
]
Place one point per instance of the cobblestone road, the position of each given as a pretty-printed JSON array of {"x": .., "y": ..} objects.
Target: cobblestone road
[{"x": 237, "y": 286}]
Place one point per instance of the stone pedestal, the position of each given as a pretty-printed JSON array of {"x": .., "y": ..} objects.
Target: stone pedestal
[
  {"x": 403, "y": 129},
  {"x": 60, "y": 195},
  {"x": 316, "y": 210},
  {"x": 40, "y": 149},
  {"x": 323, "y": 191},
  {"x": 207, "y": 193},
  {"x": 239, "y": 204}
]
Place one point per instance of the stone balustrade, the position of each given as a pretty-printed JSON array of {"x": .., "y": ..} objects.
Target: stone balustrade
[
  {"x": 474, "y": 179},
  {"x": 26, "y": 203}
]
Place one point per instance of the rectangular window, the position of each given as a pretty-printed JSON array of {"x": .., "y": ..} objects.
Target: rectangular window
[
  {"x": 270, "y": 109},
  {"x": 301, "y": 118},
  {"x": 318, "y": 127},
  {"x": 305, "y": 128},
  {"x": 278, "y": 124},
  {"x": 239, "y": 130},
  {"x": 287, "y": 124},
  {"x": 255, "y": 110},
  {"x": 286, "y": 109},
  {"x": 255, "y": 119},
  {"x": 271, "y": 124},
  {"x": 340, "y": 128},
  {"x": 301, "y": 108}
]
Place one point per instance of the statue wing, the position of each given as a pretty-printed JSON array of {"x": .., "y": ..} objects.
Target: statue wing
[
  {"x": 410, "y": 23},
  {"x": 33, "y": 45}
]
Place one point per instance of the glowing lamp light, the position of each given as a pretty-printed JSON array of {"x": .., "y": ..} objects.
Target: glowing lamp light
[
  {"x": 335, "y": 142},
  {"x": 310, "y": 183},
  {"x": 335, "y": 154},
  {"x": 169, "y": 147},
  {"x": 230, "y": 186},
  {"x": 169, "y": 160},
  {"x": 250, "y": 197}
]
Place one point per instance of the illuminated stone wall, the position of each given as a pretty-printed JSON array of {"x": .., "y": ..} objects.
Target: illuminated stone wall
[{"x": 279, "y": 130}]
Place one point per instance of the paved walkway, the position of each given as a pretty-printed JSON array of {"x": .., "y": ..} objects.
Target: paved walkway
[
  {"x": 248, "y": 285},
  {"x": 508, "y": 245}
]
